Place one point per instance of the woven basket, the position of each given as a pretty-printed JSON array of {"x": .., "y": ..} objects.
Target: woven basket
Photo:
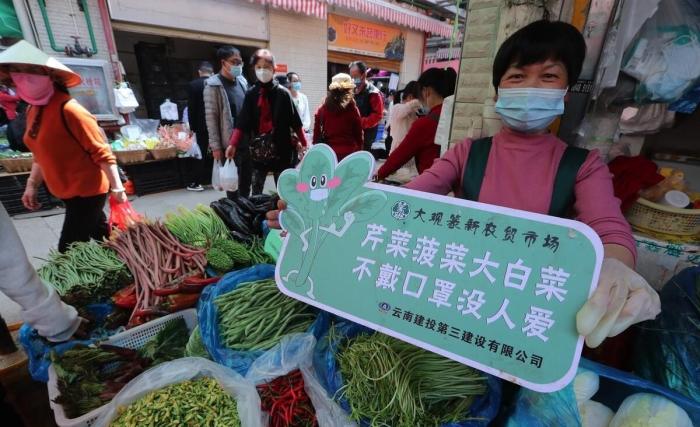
[
  {"x": 649, "y": 216},
  {"x": 21, "y": 164},
  {"x": 132, "y": 156},
  {"x": 164, "y": 153}
]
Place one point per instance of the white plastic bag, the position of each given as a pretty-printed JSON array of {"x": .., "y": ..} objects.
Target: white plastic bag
[
  {"x": 124, "y": 99},
  {"x": 216, "y": 176},
  {"x": 194, "y": 151},
  {"x": 185, "y": 369},
  {"x": 295, "y": 351},
  {"x": 229, "y": 176}
]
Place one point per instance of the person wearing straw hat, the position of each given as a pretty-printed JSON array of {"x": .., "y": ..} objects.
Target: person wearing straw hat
[
  {"x": 71, "y": 154},
  {"x": 337, "y": 121}
]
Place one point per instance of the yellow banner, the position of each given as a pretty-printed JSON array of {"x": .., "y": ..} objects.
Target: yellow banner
[{"x": 365, "y": 38}]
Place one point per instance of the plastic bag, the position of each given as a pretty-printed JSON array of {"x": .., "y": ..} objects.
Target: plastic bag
[
  {"x": 665, "y": 57},
  {"x": 122, "y": 215},
  {"x": 296, "y": 352},
  {"x": 182, "y": 370},
  {"x": 239, "y": 361},
  {"x": 38, "y": 349},
  {"x": 649, "y": 410},
  {"x": 481, "y": 413},
  {"x": 216, "y": 176},
  {"x": 229, "y": 176},
  {"x": 535, "y": 409},
  {"x": 195, "y": 152},
  {"x": 668, "y": 347},
  {"x": 273, "y": 243}
]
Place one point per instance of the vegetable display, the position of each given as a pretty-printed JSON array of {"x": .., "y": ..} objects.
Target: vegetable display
[
  {"x": 256, "y": 315},
  {"x": 198, "y": 227},
  {"x": 160, "y": 265},
  {"x": 195, "y": 347},
  {"x": 200, "y": 402},
  {"x": 224, "y": 255},
  {"x": 287, "y": 403},
  {"x": 90, "y": 377},
  {"x": 392, "y": 383},
  {"x": 86, "y": 273}
]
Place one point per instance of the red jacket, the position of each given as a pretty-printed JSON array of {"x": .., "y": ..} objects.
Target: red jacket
[
  {"x": 342, "y": 130},
  {"x": 418, "y": 143}
]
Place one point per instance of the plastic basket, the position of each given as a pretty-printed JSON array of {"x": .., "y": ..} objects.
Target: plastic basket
[
  {"x": 132, "y": 156},
  {"x": 134, "y": 339},
  {"x": 164, "y": 153},
  {"x": 649, "y": 216},
  {"x": 20, "y": 164}
]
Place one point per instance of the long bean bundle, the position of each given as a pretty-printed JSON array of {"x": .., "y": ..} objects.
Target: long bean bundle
[
  {"x": 85, "y": 273},
  {"x": 392, "y": 383},
  {"x": 201, "y": 402},
  {"x": 256, "y": 315},
  {"x": 198, "y": 227}
]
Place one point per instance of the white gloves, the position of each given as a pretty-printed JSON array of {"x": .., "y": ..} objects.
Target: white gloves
[{"x": 622, "y": 299}]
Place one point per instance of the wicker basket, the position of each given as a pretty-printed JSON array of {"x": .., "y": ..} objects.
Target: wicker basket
[
  {"x": 131, "y": 156},
  {"x": 20, "y": 164},
  {"x": 164, "y": 153},
  {"x": 649, "y": 216}
]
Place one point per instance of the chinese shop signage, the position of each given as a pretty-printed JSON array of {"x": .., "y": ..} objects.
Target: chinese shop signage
[
  {"x": 494, "y": 288},
  {"x": 366, "y": 38}
]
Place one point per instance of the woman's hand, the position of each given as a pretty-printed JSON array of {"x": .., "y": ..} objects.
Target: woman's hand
[
  {"x": 29, "y": 198},
  {"x": 273, "y": 217},
  {"x": 621, "y": 299},
  {"x": 120, "y": 196},
  {"x": 230, "y": 152}
]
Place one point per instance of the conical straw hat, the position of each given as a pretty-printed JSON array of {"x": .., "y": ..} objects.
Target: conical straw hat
[{"x": 23, "y": 53}]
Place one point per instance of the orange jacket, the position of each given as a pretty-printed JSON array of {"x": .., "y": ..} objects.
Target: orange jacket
[{"x": 69, "y": 159}]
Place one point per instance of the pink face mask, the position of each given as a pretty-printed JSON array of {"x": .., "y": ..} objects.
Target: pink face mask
[{"x": 35, "y": 89}]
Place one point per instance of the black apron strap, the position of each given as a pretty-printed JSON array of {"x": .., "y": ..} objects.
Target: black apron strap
[
  {"x": 563, "y": 195},
  {"x": 475, "y": 169}
]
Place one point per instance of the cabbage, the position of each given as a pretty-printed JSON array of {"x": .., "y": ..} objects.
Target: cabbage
[
  {"x": 585, "y": 385},
  {"x": 649, "y": 410},
  {"x": 594, "y": 414}
]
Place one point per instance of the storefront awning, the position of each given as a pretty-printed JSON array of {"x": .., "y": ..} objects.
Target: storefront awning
[{"x": 378, "y": 8}]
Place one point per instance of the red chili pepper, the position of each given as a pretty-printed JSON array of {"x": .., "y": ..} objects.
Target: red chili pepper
[
  {"x": 203, "y": 281},
  {"x": 287, "y": 402},
  {"x": 126, "y": 297},
  {"x": 179, "y": 302}
]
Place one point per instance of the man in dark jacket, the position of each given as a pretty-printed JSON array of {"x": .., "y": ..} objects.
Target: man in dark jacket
[
  {"x": 369, "y": 101},
  {"x": 198, "y": 125}
]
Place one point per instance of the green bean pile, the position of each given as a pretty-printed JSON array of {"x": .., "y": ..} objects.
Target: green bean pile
[
  {"x": 256, "y": 315},
  {"x": 198, "y": 227},
  {"x": 195, "y": 347},
  {"x": 257, "y": 252},
  {"x": 201, "y": 402},
  {"x": 86, "y": 272},
  {"x": 393, "y": 383}
]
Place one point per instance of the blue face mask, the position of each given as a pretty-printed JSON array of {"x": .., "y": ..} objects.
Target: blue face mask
[
  {"x": 358, "y": 81},
  {"x": 296, "y": 86},
  {"x": 529, "y": 109},
  {"x": 236, "y": 70}
]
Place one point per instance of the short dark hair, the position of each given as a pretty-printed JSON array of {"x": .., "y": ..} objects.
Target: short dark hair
[
  {"x": 360, "y": 66},
  {"x": 412, "y": 88},
  {"x": 282, "y": 79},
  {"x": 292, "y": 74},
  {"x": 225, "y": 52},
  {"x": 206, "y": 67},
  {"x": 538, "y": 42},
  {"x": 262, "y": 54},
  {"x": 441, "y": 80}
]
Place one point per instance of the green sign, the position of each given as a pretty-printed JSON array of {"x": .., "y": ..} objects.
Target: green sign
[{"x": 494, "y": 288}]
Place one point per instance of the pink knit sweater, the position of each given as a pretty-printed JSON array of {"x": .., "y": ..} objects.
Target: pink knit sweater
[{"x": 520, "y": 174}]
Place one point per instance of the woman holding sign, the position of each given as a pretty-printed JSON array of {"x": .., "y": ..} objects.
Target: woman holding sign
[{"x": 525, "y": 167}]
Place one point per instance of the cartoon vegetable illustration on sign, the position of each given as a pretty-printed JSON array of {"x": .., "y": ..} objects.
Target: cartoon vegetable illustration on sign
[{"x": 324, "y": 198}]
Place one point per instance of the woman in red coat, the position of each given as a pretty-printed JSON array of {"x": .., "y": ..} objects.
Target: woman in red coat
[{"x": 337, "y": 122}]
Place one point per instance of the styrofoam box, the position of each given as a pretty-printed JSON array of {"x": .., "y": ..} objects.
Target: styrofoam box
[{"x": 134, "y": 339}]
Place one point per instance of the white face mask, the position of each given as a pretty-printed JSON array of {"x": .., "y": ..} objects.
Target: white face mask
[{"x": 264, "y": 75}]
